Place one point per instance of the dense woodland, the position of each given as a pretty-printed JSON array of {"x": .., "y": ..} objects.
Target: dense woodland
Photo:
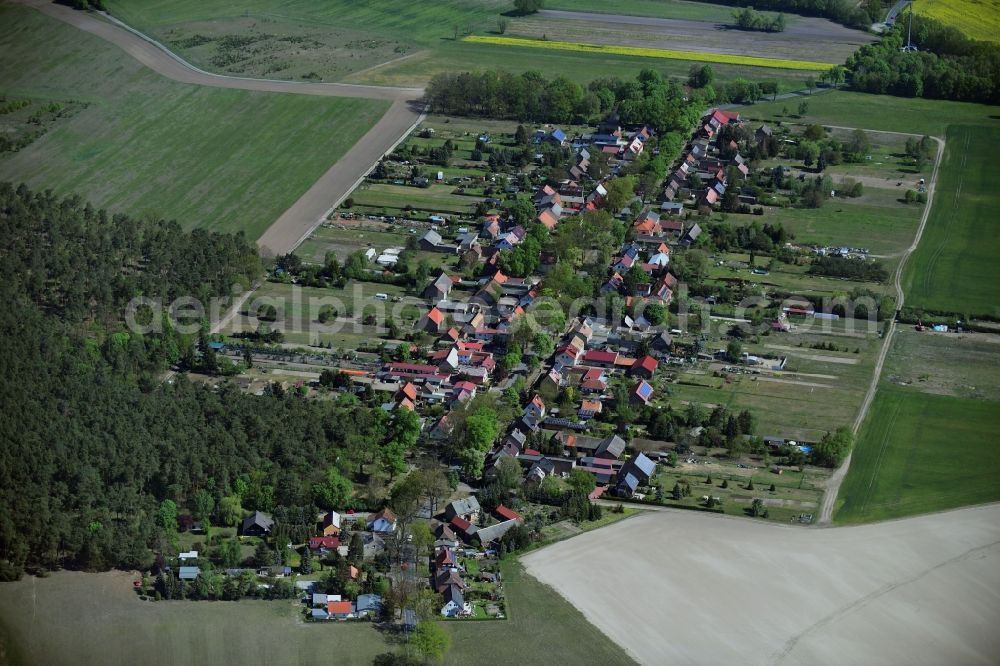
[
  {"x": 649, "y": 99},
  {"x": 91, "y": 441},
  {"x": 948, "y": 65}
]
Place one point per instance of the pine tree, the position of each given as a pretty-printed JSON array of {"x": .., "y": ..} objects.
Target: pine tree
[{"x": 306, "y": 563}]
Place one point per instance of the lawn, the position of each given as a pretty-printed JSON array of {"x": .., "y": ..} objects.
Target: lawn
[
  {"x": 877, "y": 220},
  {"x": 547, "y": 630},
  {"x": 919, "y": 452},
  {"x": 83, "y": 618},
  {"x": 298, "y": 310},
  {"x": 432, "y": 199},
  {"x": 226, "y": 160},
  {"x": 955, "y": 267}
]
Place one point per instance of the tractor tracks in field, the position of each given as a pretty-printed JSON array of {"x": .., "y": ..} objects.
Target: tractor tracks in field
[{"x": 833, "y": 485}]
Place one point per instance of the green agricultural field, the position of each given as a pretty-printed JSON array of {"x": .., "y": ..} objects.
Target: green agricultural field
[
  {"x": 346, "y": 40},
  {"x": 955, "y": 268},
  {"x": 876, "y": 112},
  {"x": 226, "y": 160},
  {"x": 919, "y": 452},
  {"x": 107, "y": 624}
]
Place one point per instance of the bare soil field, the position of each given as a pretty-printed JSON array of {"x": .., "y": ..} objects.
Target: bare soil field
[
  {"x": 682, "y": 588},
  {"x": 805, "y": 38}
]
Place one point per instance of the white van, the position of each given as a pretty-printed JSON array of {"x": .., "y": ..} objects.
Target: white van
[{"x": 382, "y": 297}]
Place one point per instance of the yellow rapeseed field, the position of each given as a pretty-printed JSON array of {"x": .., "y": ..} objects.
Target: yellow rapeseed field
[
  {"x": 639, "y": 51},
  {"x": 979, "y": 19}
]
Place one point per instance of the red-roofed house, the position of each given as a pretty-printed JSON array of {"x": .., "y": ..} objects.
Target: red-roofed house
[
  {"x": 505, "y": 513},
  {"x": 548, "y": 218},
  {"x": 408, "y": 391},
  {"x": 432, "y": 322},
  {"x": 567, "y": 355},
  {"x": 644, "y": 367},
  {"x": 590, "y": 408},
  {"x": 340, "y": 610},
  {"x": 324, "y": 543},
  {"x": 604, "y": 359},
  {"x": 536, "y": 408}
]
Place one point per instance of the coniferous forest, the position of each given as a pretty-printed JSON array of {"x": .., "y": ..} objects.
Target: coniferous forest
[{"x": 92, "y": 439}]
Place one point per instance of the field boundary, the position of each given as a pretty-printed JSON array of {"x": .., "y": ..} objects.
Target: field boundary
[{"x": 833, "y": 489}]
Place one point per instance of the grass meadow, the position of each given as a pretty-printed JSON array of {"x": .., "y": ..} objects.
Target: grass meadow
[
  {"x": 876, "y": 112},
  {"x": 226, "y": 160},
  {"x": 955, "y": 268},
  {"x": 82, "y": 619}
]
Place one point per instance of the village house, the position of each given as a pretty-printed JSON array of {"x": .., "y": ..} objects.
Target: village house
[
  {"x": 636, "y": 472},
  {"x": 383, "y": 521},
  {"x": 467, "y": 508},
  {"x": 257, "y": 524},
  {"x": 439, "y": 289}
]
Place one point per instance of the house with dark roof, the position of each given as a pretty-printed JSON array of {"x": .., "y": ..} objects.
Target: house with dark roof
[
  {"x": 467, "y": 508},
  {"x": 432, "y": 241},
  {"x": 636, "y": 472},
  {"x": 454, "y": 602},
  {"x": 445, "y": 578},
  {"x": 257, "y": 524},
  {"x": 367, "y": 605},
  {"x": 610, "y": 447},
  {"x": 487, "y": 535},
  {"x": 439, "y": 289},
  {"x": 691, "y": 237}
]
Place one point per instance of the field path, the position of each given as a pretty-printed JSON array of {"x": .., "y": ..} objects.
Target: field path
[
  {"x": 295, "y": 224},
  {"x": 833, "y": 485}
]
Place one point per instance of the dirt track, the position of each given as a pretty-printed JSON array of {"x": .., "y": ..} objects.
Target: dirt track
[
  {"x": 675, "y": 587},
  {"x": 305, "y": 214}
]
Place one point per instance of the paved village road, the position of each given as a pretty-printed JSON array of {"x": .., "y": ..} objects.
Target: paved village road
[{"x": 295, "y": 224}]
